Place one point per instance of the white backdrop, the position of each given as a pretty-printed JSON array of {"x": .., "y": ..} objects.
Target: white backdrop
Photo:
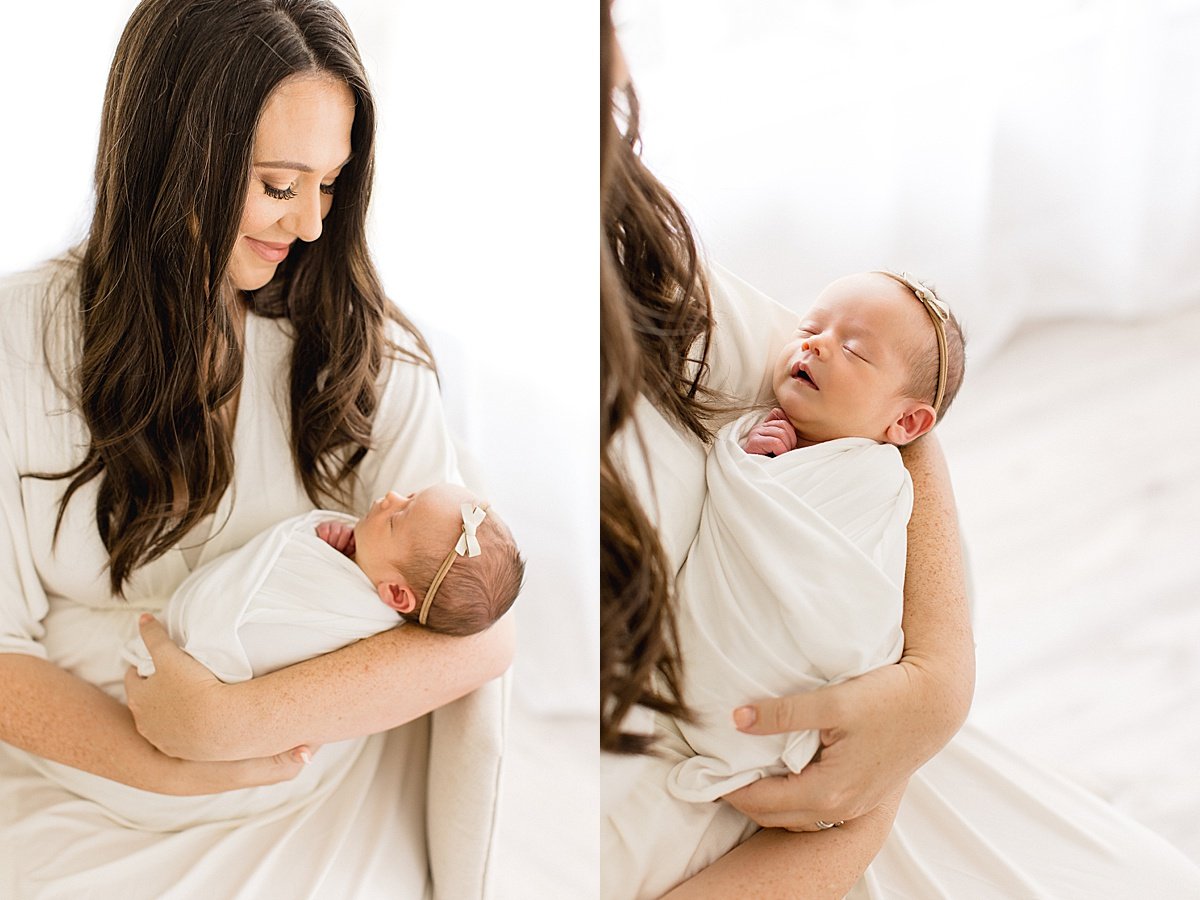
[
  {"x": 1033, "y": 158},
  {"x": 483, "y": 225}
]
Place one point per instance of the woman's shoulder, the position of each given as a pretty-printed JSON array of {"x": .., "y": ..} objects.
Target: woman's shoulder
[
  {"x": 39, "y": 315},
  {"x": 749, "y": 328}
]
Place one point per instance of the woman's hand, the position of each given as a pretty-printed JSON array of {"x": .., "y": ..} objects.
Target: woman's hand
[
  {"x": 177, "y": 708},
  {"x": 875, "y": 732},
  {"x": 184, "y": 777}
]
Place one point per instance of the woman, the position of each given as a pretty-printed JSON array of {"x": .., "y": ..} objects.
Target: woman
[
  {"x": 671, "y": 331},
  {"x": 218, "y": 355}
]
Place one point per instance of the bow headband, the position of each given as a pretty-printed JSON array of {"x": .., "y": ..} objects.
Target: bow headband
[
  {"x": 468, "y": 545},
  {"x": 939, "y": 314}
]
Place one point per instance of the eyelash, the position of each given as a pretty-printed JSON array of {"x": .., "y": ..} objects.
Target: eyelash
[
  {"x": 852, "y": 353},
  {"x": 289, "y": 192}
]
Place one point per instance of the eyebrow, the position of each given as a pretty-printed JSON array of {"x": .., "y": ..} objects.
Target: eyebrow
[{"x": 296, "y": 166}]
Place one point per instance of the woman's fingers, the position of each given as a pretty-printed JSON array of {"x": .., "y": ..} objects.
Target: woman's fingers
[
  {"x": 781, "y": 801},
  {"x": 797, "y": 712},
  {"x": 154, "y": 636},
  {"x": 863, "y": 756},
  {"x": 176, "y": 709}
]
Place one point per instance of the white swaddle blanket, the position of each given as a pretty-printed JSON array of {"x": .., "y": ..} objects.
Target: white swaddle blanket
[
  {"x": 284, "y": 597},
  {"x": 795, "y": 580}
]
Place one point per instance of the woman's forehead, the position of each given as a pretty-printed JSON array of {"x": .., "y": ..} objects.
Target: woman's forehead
[{"x": 305, "y": 125}]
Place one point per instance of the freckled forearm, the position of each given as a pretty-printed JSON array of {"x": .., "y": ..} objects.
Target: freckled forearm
[
  {"x": 937, "y": 625},
  {"x": 371, "y": 685},
  {"x": 51, "y": 713}
]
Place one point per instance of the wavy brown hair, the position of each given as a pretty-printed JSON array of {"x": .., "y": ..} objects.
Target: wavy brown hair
[
  {"x": 161, "y": 351},
  {"x": 655, "y": 328}
]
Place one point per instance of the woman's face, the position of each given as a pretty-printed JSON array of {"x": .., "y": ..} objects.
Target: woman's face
[{"x": 302, "y": 143}]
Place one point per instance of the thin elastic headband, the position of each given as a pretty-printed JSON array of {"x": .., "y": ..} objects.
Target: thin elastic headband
[
  {"x": 468, "y": 545},
  {"x": 939, "y": 314}
]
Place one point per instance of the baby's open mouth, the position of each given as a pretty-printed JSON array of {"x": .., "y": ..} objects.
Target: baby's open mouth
[{"x": 800, "y": 373}]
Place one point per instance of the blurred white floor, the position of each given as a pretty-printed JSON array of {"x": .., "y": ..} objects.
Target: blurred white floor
[
  {"x": 549, "y": 831},
  {"x": 1075, "y": 454}
]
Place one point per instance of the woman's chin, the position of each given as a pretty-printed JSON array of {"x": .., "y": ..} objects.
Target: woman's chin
[{"x": 251, "y": 277}]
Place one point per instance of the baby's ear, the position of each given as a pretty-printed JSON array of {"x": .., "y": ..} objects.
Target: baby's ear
[
  {"x": 914, "y": 420},
  {"x": 398, "y": 595}
]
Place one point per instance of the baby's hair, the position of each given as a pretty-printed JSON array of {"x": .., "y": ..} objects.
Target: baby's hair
[
  {"x": 477, "y": 590},
  {"x": 922, "y": 361}
]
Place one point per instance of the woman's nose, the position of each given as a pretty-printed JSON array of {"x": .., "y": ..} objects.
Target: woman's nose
[{"x": 305, "y": 219}]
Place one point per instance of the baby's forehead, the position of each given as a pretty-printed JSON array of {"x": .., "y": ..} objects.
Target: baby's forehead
[{"x": 872, "y": 303}]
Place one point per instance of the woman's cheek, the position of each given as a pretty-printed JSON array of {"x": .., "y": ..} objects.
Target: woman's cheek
[{"x": 256, "y": 216}]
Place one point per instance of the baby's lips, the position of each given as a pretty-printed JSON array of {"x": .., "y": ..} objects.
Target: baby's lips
[{"x": 799, "y": 369}]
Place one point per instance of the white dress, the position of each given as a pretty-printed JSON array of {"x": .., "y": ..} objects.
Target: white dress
[
  {"x": 354, "y": 824},
  {"x": 977, "y": 821}
]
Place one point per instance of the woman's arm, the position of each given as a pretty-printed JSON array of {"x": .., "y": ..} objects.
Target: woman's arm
[
  {"x": 371, "y": 685},
  {"x": 877, "y": 729},
  {"x": 52, "y": 713},
  {"x": 782, "y": 865}
]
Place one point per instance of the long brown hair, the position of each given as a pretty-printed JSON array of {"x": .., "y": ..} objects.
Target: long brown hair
[
  {"x": 655, "y": 328},
  {"x": 161, "y": 351}
]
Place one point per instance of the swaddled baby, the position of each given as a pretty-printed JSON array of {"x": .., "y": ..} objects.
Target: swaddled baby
[
  {"x": 795, "y": 578},
  {"x": 313, "y": 583}
]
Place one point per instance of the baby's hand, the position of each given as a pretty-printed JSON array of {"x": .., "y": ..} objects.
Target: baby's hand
[
  {"x": 338, "y": 535},
  {"x": 772, "y": 436}
]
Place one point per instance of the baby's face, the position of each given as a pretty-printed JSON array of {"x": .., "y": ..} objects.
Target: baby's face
[
  {"x": 844, "y": 370},
  {"x": 397, "y": 525}
]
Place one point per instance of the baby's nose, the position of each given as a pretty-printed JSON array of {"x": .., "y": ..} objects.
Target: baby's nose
[
  {"x": 391, "y": 498},
  {"x": 811, "y": 346}
]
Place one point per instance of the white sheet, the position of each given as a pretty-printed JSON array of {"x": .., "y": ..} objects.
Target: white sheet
[{"x": 795, "y": 580}]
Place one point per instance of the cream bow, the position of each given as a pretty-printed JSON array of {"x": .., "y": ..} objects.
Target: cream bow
[{"x": 468, "y": 543}]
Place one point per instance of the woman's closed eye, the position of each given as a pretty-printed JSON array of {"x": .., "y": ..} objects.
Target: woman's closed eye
[
  {"x": 283, "y": 193},
  {"x": 287, "y": 193}
]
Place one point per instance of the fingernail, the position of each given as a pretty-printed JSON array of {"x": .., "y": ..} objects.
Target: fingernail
[
  {"x": 144, "y": 618},
  {"x": 745, "y": 716}
]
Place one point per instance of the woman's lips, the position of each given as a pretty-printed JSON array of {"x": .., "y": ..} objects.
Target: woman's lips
[{"x": 272, "y": 253}]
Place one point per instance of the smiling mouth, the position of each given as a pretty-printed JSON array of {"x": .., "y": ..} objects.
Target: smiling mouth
[
  {"x": 800, "y": 374},
  {"x": 272, "y": 253}
]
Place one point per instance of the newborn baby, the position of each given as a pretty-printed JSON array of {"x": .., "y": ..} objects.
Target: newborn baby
[
  {"x": 795, "y": 578},
  {"x": 313, "y": 583}
]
